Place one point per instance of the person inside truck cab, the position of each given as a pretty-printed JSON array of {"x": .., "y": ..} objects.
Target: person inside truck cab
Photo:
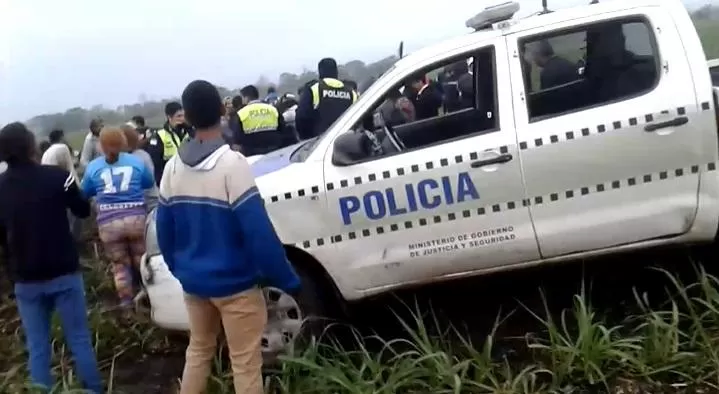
[
  {"x": 526, "y": 65},
  {"x": 397, "y": 109},
  {"x": 458, "y": 87},
  {"x": 427, "y": 100},
  {"x": 613, "y": 69},
  {"x": 555, "y": 70}
]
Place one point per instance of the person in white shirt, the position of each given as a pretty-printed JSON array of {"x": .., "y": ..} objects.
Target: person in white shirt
[
  {"x": 58, "y": 154},
  {"x": 91, "y": 147}
]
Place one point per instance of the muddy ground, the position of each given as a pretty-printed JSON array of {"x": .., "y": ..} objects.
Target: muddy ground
[{"x": 472, "y": 306}]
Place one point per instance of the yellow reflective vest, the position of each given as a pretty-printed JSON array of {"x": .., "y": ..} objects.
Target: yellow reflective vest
[
  {"x": 257, "y": 117},
  {"x": 170, "y": 143}
]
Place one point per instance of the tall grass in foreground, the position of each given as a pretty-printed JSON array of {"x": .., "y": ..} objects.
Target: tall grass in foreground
[
  {"x": 667, "y": 349},
  {"x": 672, "y": 349}
]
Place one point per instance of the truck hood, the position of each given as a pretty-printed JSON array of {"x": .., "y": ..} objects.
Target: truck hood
[{"x": 273, "y": 161}]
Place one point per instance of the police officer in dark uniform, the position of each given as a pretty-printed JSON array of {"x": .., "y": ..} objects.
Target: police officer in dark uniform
[
  {"x": 258, "y": 127},
  {"x": 323, "y": 102},
  {"x": 458, "y": 87}
]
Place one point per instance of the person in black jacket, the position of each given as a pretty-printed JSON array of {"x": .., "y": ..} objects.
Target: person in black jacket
[
  {"x": 43, "y": 260},
  {"x": 556, "y": 70},
  {"x": 426, "y": 98}
]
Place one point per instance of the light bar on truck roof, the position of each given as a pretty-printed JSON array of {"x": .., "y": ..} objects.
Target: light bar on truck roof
[{"x": 493, "y": 14}]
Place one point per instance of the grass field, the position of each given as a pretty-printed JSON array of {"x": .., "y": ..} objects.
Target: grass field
[
  {"x": 709, "y": 34},
  {"x": 662, "y": 340}
]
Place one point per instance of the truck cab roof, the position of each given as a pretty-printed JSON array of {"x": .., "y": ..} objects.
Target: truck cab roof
[{"x": 515, "y": 25}]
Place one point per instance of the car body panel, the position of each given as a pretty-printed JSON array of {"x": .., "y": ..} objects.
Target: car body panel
[
  {"x": 273, "y": 161},
  {"x": 333, "y": 213},
  {"x": 607, "y": 148}
]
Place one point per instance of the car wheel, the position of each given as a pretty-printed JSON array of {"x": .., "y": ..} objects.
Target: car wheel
[{"x": 293, "y": 322}]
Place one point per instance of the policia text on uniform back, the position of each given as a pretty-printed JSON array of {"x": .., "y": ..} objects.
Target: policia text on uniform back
[{"x": 323, "y": 102}]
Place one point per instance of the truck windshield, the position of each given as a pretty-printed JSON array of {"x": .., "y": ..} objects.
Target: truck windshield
[{"x": 300, "y": 154}]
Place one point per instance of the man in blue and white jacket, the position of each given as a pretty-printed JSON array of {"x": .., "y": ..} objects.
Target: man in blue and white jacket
[{"x": 218, "y": 241}]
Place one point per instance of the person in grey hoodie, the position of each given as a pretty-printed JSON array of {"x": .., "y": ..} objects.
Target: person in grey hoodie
[
  {"x": 218, "y": 241},
  {"x": 91, "y": 146}
]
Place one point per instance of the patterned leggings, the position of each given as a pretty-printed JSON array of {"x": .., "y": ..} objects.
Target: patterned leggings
[{"x": 124, "y": 243}]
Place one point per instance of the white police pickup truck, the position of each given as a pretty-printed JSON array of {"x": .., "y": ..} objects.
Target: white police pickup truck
[{"x": 591, "y": 131}]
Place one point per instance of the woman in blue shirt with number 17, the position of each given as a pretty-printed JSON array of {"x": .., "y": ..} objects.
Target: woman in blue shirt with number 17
[{"x": 118, "y": 180}]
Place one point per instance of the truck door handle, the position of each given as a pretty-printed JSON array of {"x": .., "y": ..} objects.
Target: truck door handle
[
  {"x": 503, "y": 158},
  {"x": 678, "y": 121}
]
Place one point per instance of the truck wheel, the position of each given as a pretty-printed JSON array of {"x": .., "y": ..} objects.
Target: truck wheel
[{"x": 292, "y": 322}]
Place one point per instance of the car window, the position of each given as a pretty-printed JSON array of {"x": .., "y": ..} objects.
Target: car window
[
  {"x": 590, "y": 65},
  {"x": 714, "y": 73},
  {"x": 451, "y": 99},
  {"x": 570, "y": 47}
]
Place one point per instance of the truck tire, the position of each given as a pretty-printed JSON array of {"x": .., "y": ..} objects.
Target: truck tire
[{"x": 315, "y": 302}]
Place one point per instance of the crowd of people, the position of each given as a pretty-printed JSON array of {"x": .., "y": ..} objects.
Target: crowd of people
[{"x": 212, "y": 227}]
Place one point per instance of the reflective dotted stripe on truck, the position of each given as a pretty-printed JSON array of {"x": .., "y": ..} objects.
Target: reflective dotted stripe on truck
[
  {"x": 613, "y": 126},
  {"x": 490, "y": 209},
  {"x": 603, "y": 128}
]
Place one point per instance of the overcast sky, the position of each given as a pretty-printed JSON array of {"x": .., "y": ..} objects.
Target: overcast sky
[{"x": 58, "y": 54}]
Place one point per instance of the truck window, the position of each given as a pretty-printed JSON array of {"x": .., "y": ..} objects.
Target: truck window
[
  {"x": 449, "y": 100},
  {"x": 590, "y": 65},
  {"x": 452, "y": 99},
  {"x": 714, "y": 72}
]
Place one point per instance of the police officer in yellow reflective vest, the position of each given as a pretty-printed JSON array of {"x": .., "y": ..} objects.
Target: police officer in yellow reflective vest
[
  {"x": 322, "y": 103},
  {"x": 258, "y": 127},
  {"x": 164, "y": 143}
]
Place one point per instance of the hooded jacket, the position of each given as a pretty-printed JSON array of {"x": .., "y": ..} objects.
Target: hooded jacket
[
  {"x": 212, "y": 227},
  {"x": 34, "y": 221}
]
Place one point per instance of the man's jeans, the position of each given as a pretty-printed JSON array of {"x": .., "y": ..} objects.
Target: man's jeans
[{"x": 36, "y": 303}]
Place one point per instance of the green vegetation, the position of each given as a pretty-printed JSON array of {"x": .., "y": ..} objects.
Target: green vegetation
[
  {"x": 671, "y": 346},
  {"x": 709, "y": 34},
  {"x": 668, "y": 345},
  {"x": 76, "y": 140}
]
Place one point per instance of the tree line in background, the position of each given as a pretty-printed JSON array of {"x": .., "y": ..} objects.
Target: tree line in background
[{"x": 78, "y": 119}]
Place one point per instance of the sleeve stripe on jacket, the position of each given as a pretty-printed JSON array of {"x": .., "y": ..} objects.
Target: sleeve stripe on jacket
[
  {"x": 69, "y": 181},
  {"x": 249, "y": 193},
  {"x": 196, "y": 201}
]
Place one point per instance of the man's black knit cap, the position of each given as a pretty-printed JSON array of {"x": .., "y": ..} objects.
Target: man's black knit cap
[{"x": 202, "y": 103}]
